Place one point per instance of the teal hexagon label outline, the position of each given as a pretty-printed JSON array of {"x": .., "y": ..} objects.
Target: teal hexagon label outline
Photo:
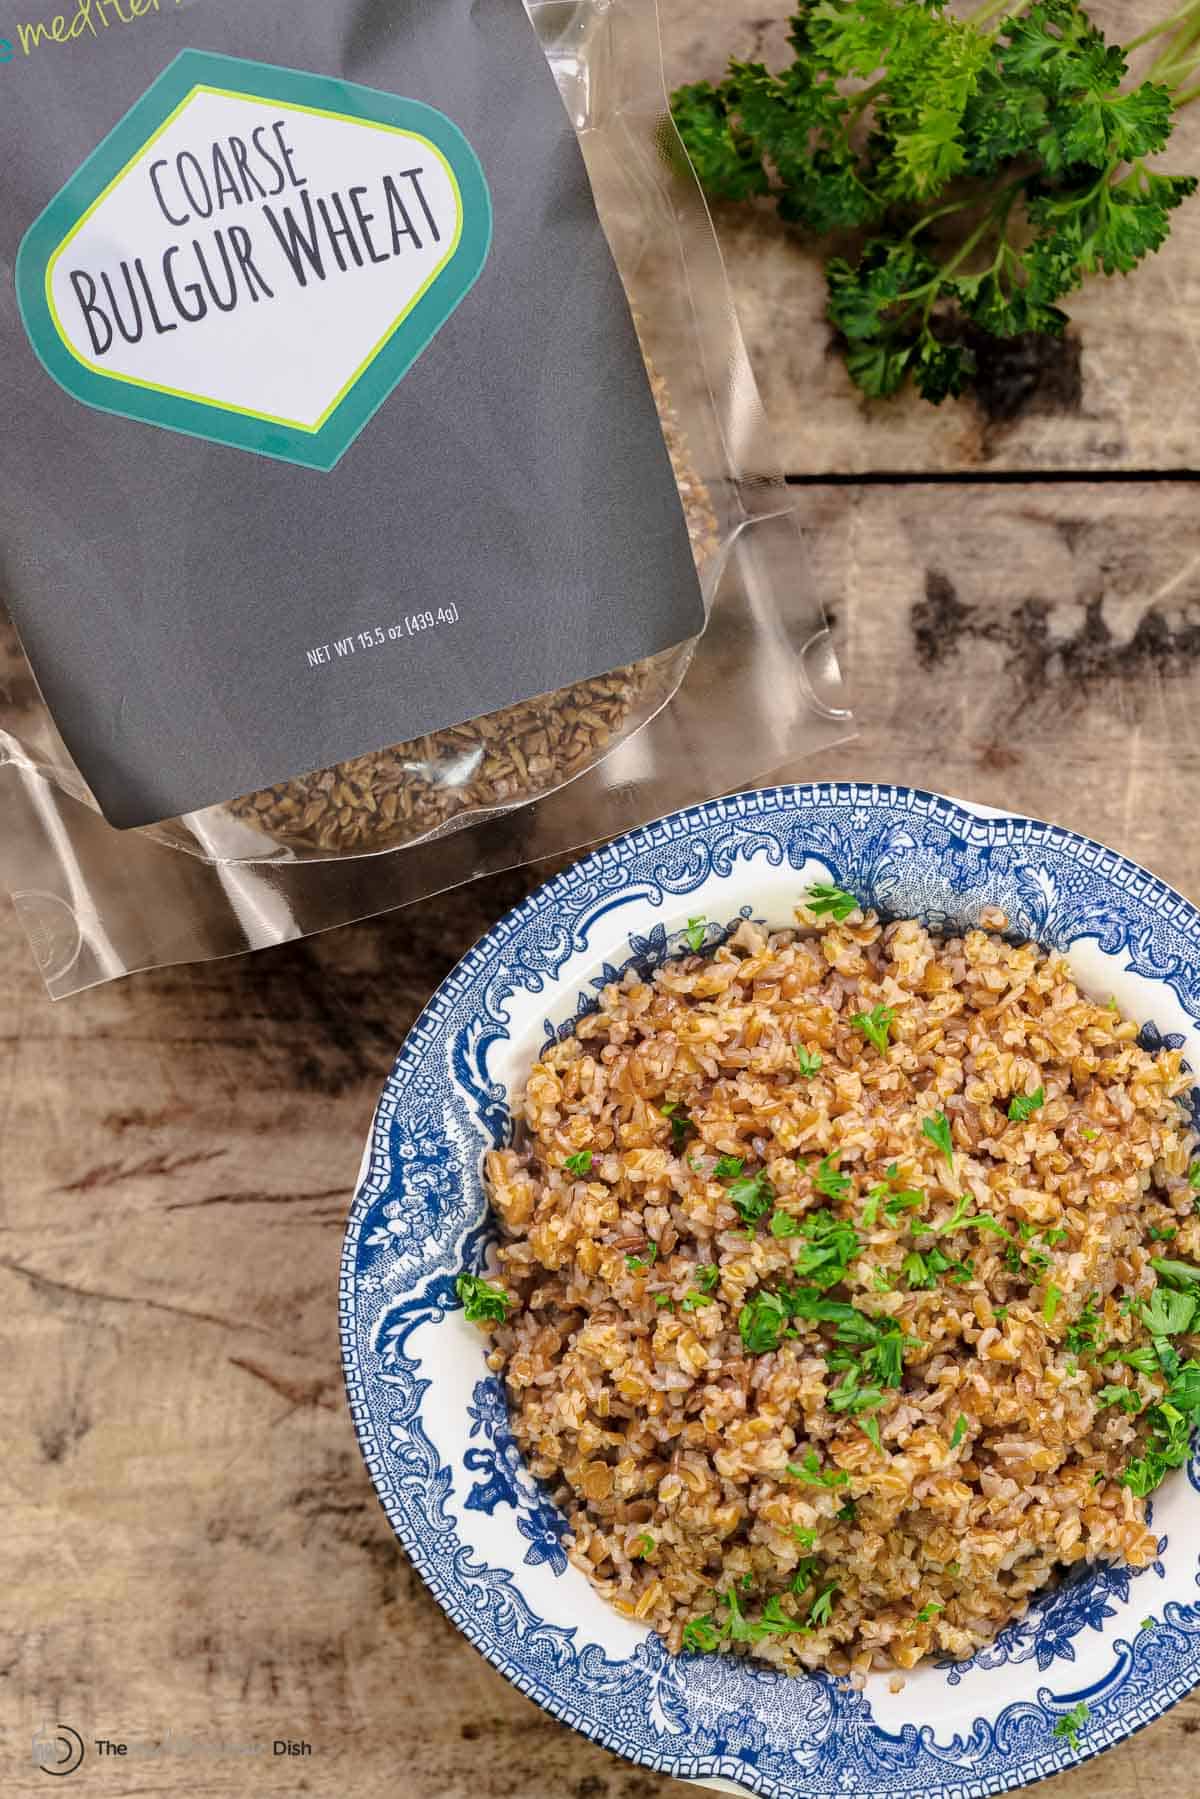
[{"x": 316, "y": 445}]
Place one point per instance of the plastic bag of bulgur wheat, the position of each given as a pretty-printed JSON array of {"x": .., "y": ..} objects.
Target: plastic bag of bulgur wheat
[{"x": 383, "y": 489}]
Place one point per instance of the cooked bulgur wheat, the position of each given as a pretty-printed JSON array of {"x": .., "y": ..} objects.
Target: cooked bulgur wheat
[{"x": 711, "y": 1443}]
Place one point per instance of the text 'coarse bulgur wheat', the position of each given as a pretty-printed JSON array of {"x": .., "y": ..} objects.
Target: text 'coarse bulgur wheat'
[{"x": 844, "y": 1297}]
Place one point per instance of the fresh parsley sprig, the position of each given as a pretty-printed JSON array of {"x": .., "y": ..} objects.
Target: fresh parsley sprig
[{"x": 988, "y": 168}]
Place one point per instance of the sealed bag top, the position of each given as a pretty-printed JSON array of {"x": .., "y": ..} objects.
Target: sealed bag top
[{"x": 325, "y": 419}]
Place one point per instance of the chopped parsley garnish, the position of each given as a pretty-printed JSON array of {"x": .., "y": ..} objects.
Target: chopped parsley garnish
[
  {"x": 1162, "y": 1233},
  {"x": 707, "y": 1276},
  {"x": 850, "y": 1396},
  {"x": 1072, "y": 1722},
  {"x": 922, "y": 1270},
  {"x": 483, "y": 1301},
  {"x": 875, "y": 1025},
  {"x": 1054, "y": 1238},
  {"x": 822, "y": 1607},
  {"x": 784, "y": 1225},
  {"x": 847, "y": 1513},
  {"x": 692, "y": 1301},
  {"x": 804, "y": 1536},
  {"x": 579, "y": 1163},
  {"x": 881, "y": 1281},
  {"x": 874, "y": 1200},
  {"x": 1083, "y": 1337},
  {"x": 831, "y": 1245},
  {"x": 695, "y": 933},
  {"x": 1090, "y": 1135},
  {"x": 1051, "y": 1302},
  {"x": 664, "y": 1301},
  {"x": 983, "y": 1221},
  {"x": 806, "y": 1573},
  {"x": 960, "y": 1430},
  {"x": 937, "y": 1129},
  {"x": 1023, "y": 1105},
  {"x": 1125, "y": 1397},
  {"x": 834, "y": 901},
  {"x": 706, "y": 1634},
  {"x": 829, "y": 1181},
  {"x": 762, "y": 1322},
  {"x": 929, "y": 1612},
  {"x": 1176, "y": 1274},
  {"x": 1149, "y": 1623},
  {"x": 809, "y": 1060},
  {"x": 811, "y": 1473},
  {"x": 1037, "y": 1260},
  {"x": 752, "y": 1196},
  {"x": 1171, "y": 1422},
  {"x": 640, "y": 1264},
  {"x": 1194, "y": 1177},
  {"x": 679, "y": 1121},
  {"x": 958, "y": 1218},
  {"x": 644, "y": 1545},
  {"x": 906, "y": 1200},
  {"x": 917, "y": 1272},
  {"x": 728, "y": 1168},
  {"x": 1000, "y": 1312}
]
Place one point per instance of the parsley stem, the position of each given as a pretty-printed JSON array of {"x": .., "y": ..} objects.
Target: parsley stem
[
  {"x": 1160, "y": 30},
  {"x": 1009, "y": 9},
  {"x": 1178, "y": 47},
  {"x": 996, "y": 214},
  {"x": 939, "y": 212},
  {"x": 863, "y": 100},
  {"x": 1174, "y": 72}
]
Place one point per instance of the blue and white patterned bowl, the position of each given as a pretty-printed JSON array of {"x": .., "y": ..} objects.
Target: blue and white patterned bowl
[{"x": 431, "y": 1419}]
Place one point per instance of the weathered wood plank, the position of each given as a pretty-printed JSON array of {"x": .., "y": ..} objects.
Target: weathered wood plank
[{"x": 191, "y": 1542}]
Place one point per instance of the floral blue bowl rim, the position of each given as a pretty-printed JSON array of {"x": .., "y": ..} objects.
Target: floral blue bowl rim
[{"x": 431, "y": 1420}]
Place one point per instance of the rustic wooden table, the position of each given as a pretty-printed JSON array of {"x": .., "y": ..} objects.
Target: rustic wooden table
[{"x": 192, "y": 1550}]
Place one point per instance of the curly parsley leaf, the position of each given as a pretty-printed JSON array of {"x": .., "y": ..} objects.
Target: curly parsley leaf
[
  {"x": 809, "y": 1060},
  {"x": 989, "y": 167},
  {"x": 580, "y": 1163},
  {"x": 1023, "y": 1105}
]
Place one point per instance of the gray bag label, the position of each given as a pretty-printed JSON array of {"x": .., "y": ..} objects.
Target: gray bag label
[{"x": 327, "y": 422}]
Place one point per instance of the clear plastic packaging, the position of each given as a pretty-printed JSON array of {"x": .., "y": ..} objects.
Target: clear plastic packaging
[{"x": 550, "y": 774}]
